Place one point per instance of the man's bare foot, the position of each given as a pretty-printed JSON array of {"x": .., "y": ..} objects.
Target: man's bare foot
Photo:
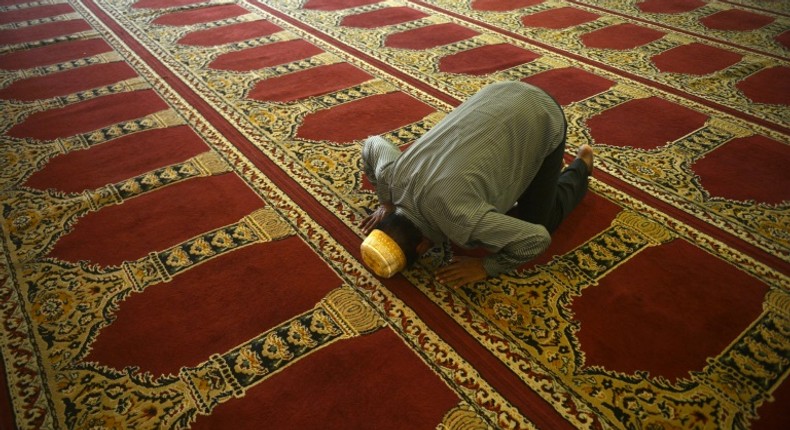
[{"x": 585, "y": 153}]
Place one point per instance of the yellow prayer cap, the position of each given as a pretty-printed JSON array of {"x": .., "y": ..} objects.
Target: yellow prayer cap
[{"x": 382, "y": 254}]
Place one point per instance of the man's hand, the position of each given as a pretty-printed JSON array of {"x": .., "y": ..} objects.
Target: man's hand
[
  {"x": 462, "y": 271},
  {"x": 369, "y": 223}
]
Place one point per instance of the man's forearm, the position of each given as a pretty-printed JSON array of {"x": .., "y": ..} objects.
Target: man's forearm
[{"x": 515, "y": 241}]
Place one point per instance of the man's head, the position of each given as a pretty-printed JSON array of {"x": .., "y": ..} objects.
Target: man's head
[{"x": 395, "y": 244}]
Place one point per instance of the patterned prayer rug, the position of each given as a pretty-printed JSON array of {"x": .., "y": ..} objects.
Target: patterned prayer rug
[{"x": 181, "y": 194}]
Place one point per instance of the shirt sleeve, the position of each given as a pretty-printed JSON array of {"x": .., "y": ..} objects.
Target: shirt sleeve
[
  {"x": 513, "y": 241},
  {"x": 377, "y": 156}
]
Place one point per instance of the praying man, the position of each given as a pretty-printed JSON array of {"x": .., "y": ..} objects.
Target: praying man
[{"x": 487, "y": 175}]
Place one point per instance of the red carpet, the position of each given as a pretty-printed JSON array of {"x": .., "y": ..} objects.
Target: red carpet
[{"x": 181, "y": 194}]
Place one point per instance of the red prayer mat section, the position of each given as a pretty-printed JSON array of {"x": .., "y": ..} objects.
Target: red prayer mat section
[
  {"x": 43, "y": 31},
  {"x": 695, "y": 59},
  {"x": 768, "y": 86},
  {"x": 67, "y": 82},
  {"x": 558, "y": 18},
  {"x": 670, "y": 6},
  {"x": 737, "y": 20},
  {"x": 266, "y": 56},
  {"x": 32, "y": 13},
  {"x": 645, "y": 123},
  {"x": 719, "y": 171},
  {"x": 621, "y": 37},
  {"x": 382, "y": 17},
  {"x": 88, "y": 115},
  {"x": 373, "y": 115},
  {"x": 429, "y": 37},
  {"x": 309, "y": 83},
  {"x": 236, "y": 287},
  {"x": 201, "y": 15},
  {"x": 569, "y": 84},
  {"x": 486, "y": 59},
  {"x": 52, "y": 54},
  {"x": 503, "y": 5},
  {"x": 686, "y": 302},
  {"x": 228, "y": 34},
  {"x": 120, "y": 159}
]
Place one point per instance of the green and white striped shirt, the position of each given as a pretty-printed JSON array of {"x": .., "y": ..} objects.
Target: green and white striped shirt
[{"x": 459, "y": 180}]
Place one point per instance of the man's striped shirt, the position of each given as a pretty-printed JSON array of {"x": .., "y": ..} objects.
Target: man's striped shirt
[{"x": 459, "y": 180}]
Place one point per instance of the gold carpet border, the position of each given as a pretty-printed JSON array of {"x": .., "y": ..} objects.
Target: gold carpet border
[{"x": 431, "y": 349}]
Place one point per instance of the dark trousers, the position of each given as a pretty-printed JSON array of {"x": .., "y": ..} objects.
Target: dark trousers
[{"x": 554, "y": 192}]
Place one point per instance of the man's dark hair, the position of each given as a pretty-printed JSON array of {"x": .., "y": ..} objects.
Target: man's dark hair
[{"x": 404, "y": 233}]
